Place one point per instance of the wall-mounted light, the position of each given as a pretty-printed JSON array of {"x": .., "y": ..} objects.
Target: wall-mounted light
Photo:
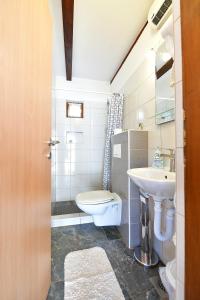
[{"x": 140, "y": 119}]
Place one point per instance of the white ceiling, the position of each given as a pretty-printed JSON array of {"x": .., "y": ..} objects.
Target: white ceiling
[{"x": 104, "y": 30}]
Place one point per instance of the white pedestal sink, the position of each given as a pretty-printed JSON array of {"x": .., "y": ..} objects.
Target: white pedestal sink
[{"x": 156, "y": 184}]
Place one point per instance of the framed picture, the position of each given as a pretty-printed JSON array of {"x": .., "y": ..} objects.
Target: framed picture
[{"x": 74, "y": 110}]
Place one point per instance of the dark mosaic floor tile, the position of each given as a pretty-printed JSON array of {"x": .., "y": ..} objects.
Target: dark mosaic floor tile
[
  {"x": 90, "y": 233},
  {"x": 133, "y": 278},
  {"x": 126, "y": 295},
  {"x": 148, "y": 295},
  {"x": 112, "y": 232},
  {"x": 64, "y": 207},
  {"x": 56, "y": 291}
]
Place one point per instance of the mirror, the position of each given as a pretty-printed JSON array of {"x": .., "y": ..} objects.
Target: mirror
[{"x": 165, "y": 91}]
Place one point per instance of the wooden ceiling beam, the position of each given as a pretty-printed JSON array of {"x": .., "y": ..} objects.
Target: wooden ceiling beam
[{"x": 68, "y": 19}]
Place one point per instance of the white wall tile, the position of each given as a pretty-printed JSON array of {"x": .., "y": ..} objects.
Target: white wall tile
[
  {"x": 63, "y": 168},
  {"x": 96, "y": 143},
  {"x": 176, "y": 9},
  {"x": 61, "y": 105},
  {"x": 63, "y": 155},
  {"x": 98, "y": 132},
  {"x": 96, "y": 180},
  {"x": 148, "y": 123},
  {"x": 63, "y": 195},
  {"x": 96, "y": 167},
  {"x": 62, "y": 128},
  {"x": 96, "y": 155},
  {"x": 79, "y": 155},
  {"x": 179, "y": 290},
  {"x": 130, "y": 121},
  {"x": 75, "y": 137},
  {"x": 80, "y": 125},
  {"x": 53, "y": 170},
  {"x": 154, "y": 137},
  {"x": 98, "y": 105},
  {"x": 179, "y": 114},
  {"x": 53, "y": 157},
  {"x": 53, "y": 188},
  {"x": 180, "y": 198},
  {"x": 147, "y": 90},
  {"x": 80, "y": 168},
  {"x": 178, "y": 52},
  {"x": 168, "y": 135},
  {"x": 76, "y": 190},
  {"x": 80, "y": 180},
  {"x": 131, "y": 102},
  {"x": 148, "y": 109},
  {"x": 98, "y": 119},
  {"x": 61, "y": 116},
  {"x": 180, "y": 247},
  {"x": 63, "y": 182}
]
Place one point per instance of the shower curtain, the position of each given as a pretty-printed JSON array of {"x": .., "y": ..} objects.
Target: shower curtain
[{"x": 115, "y": 112}]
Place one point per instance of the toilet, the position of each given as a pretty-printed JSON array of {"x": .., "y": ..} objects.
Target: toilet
[{"x": 105, "y": 207}]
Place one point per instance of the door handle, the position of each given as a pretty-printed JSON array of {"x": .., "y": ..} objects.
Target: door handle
[
  {"x": 48, "y": 155},
  {"x": 52, "y": 142}
]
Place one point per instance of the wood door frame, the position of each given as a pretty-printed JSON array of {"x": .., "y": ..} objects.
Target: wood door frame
[{"x": 190, "y": 26}]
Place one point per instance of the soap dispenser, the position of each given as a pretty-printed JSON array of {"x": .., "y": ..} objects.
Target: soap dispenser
[{"x": 157, "y": 159}]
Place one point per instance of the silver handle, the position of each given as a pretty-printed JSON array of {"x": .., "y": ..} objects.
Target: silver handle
[
  {"x": 52, "y": 142},
  {"x": 48, "y": 155}
]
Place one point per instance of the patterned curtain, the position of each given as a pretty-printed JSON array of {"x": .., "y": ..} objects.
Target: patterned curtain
[{"x": 115, "y": 112}]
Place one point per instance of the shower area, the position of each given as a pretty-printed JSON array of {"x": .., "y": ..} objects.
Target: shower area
[
  {"x": 81, "y": 151},
  {"x": 79, "y": 129}
]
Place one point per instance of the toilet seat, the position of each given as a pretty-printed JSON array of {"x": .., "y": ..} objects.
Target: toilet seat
[
  {"x": 104, "y": 207},
  {"x": 94, "y": 197}
]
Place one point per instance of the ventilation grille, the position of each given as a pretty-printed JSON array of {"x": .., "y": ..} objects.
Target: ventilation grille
[{"x": 156, "y": 18}]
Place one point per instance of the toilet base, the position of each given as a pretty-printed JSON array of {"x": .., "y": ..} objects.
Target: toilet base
[
  {"x": 146, "y": 259},
  {"x": 106, "y": 213},
  {"x": 112, "y": 215}
]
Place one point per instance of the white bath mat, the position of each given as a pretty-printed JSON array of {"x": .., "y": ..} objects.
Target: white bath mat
[{"x": 89, "y": 276}]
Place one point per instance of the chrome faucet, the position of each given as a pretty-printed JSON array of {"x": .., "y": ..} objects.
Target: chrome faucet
[{"x": 171, "y": 157}]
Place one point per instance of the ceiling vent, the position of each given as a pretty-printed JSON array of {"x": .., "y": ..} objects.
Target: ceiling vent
[{"x": 159, "y": 12}]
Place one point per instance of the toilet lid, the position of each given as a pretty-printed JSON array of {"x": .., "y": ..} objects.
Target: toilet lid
[{"x": 94, "y": 197}]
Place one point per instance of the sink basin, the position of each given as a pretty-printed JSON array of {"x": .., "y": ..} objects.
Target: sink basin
[{"x": 157, "y": 183}]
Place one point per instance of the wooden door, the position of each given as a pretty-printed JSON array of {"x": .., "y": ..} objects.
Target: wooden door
[
  {"x": 25, "y": 99},
  {"x": 190, "y": 21}
]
